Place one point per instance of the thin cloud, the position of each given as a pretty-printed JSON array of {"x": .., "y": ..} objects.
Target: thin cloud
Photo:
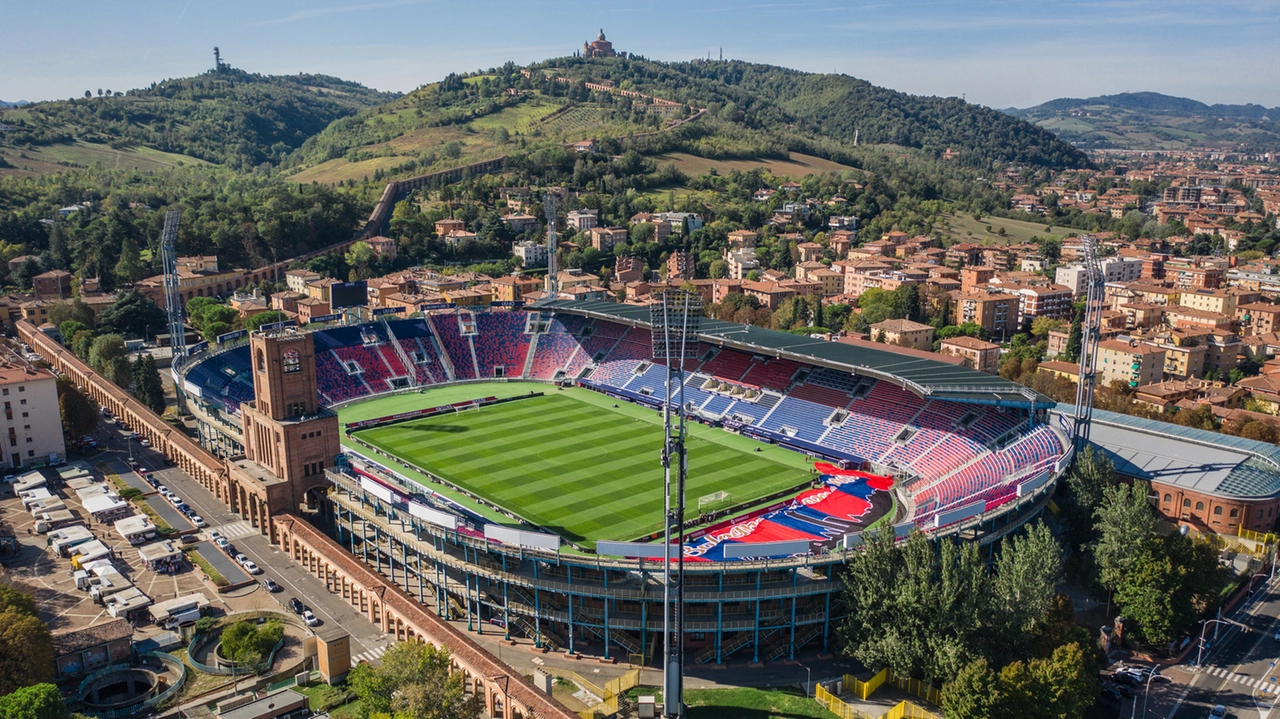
[{"x": 336, "y": 10}]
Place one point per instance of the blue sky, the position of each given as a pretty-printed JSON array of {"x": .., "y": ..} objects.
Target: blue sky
[{"x": 999, "y": 53}]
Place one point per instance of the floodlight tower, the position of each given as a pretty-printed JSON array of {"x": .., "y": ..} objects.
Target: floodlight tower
[
  {"x": 1090, "y": 336},
  {"x": 675, "y": 319},
  {"x": 553, "y": 282},
  {"x": 172, "y": 293}
]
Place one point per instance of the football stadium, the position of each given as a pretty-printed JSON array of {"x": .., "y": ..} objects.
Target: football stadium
[{"x": 493, "y": 459}]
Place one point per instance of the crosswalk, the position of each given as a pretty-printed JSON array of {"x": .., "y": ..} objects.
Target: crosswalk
[
  {"x": 242, "y": 528},
  {"x": 1263, "y": 685},
  {"x": 370, "y": 655}
]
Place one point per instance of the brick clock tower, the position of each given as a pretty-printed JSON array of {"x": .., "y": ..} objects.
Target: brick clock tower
[{"x": 289, "y": 439}]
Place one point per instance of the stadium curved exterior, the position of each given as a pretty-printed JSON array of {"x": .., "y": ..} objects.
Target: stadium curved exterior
[{"x": 766, "y": 609}]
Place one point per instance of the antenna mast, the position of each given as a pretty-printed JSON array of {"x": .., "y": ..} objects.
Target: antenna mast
[
  {"x": 553, "y": 279},
  {"x": 217, "y": 60}
]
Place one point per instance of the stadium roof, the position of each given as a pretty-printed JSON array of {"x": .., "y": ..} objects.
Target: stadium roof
[
  {"x": 1185, "y": 457},
  {"x": 924, "y": 376}
]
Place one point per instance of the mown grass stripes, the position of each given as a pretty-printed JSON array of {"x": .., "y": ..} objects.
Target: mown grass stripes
[{"x": 585, "y": 471}]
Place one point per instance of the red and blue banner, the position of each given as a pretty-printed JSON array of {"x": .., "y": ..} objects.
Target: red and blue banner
[{"x": 847, "y": 501}]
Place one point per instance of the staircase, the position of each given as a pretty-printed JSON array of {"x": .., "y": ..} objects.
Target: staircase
[
  {"x": 404, "y": 358},
  {"x": 438, "y": 346},
  {"x": 727, "y": 647},
  {"x": 528, "y": 358}
]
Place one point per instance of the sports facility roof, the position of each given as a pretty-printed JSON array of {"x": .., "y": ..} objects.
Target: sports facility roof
[
  {"x": 926, "y": 377},
  {"x": 1192, "y": 459}
]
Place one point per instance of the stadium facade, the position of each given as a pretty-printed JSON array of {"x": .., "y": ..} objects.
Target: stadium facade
[{"x": 966, "y": 454}]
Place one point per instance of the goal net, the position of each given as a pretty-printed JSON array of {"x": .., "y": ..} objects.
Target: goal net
[{"x": 714, "y": 501}]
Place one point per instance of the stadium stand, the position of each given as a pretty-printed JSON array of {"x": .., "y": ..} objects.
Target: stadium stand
[
  {"x": 501, "y": 342},
  {"x": 950, "y": 451},
  {"x": 458, "y": 347}
]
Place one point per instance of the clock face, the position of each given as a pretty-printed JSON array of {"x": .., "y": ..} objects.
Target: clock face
[{"x": 291, "y": 362}]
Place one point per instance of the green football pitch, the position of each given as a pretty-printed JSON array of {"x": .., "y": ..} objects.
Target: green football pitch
[{"x": 574, "y": 464}]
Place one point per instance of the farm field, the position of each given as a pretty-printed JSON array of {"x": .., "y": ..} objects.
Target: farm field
[
  {"x": 1016, "y": 231},
  {"x": 48, "y": 158},
  {"x": 797, "y": 166},
  {"x": 574, "y": 464}
]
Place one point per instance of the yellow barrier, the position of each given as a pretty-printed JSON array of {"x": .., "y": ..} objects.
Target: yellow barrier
[
  {"x": 835, "y": 706},
  {"x": 919, "y": 688},
  {"x": 609, "y": 694},
  {"x": 1263, "y": 537},
  {"x": 865, "y": 689},
  {"x": 907, "y": 710}
]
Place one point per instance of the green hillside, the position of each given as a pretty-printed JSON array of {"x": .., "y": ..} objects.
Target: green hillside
[
  {"x": 1151, "y": 121},
  {"x": 225, "y": 116}
]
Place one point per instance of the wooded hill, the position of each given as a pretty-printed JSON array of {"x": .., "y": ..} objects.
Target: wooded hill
[
  {"x": 1152, "y": 121},
  {"x": 225, "y": 116}
]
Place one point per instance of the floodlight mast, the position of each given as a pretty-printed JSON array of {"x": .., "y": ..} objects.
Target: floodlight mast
[
  {"x": 1090, "y": 337},
  {"x": 680, "y": 311},
  {"x": 553, "y": 279}
]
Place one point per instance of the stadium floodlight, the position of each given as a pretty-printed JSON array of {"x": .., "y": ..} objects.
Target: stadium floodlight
[{"x": 674, "y": 320}]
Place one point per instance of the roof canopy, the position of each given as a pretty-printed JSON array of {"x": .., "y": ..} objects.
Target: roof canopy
[{"x": 924, "y": 376}]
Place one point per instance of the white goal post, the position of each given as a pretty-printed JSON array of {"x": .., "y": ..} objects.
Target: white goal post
[{"x": 713, "y": 501}]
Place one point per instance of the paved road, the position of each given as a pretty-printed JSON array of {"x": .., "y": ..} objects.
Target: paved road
[
  {"x": 366, "y": 639},
  {"x": 1237, "y": 670},
  {"x": 221, "y": 562}
]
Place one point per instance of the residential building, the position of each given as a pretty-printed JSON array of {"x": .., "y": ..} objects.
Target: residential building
[
  {"x": 809, "y": 251},
  {"x": 1058, "y": 340},
  {"x": 1130, "y": 362},
  {"x": 1219, "y": 301},
  {"x": 453, "y": 238},
  {"x": 1114, "y": 269},
  {"x": 31, "y": 426},
  {"x": 447, "y": 225},
  {"x": 1052, "y": 301},
  {"x": 832, "y": 282},
  {"x": 679, "y": 220},
  {"x": 972, "y": 278},
  {"x": 583, "y": 220},
  {"x": 904, "y": 333},
  {"x": 770, "y": 294},
  {"x": 741, "y": 261},
  {"x": 52, "y": 285},
  {"x": 604, "y": 238},
  {"x": 521, "y": 223},
  {"x": 743, "y": 239},
  {"x": 997, "y": 313},
  {"x": 513, "y": 288},
  {"x": 1259, "y": 318},
  {"x": 531, "y": 254},
  {"x": 297, "y": 280},
  {"x": 627, "y": 269},
  {"x": 384, "y": 247},
  {"x": 978, "y": 354},
  {"x": 681, "y": 266}
]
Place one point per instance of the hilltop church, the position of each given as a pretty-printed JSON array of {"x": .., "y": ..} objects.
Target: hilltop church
[{"x": 599, "y": 48}]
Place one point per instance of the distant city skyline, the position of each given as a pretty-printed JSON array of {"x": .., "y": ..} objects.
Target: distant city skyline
[{"x": 1000, "y": 53}]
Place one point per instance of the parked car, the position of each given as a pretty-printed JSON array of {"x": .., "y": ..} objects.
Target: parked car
[
  {"x": 1125, "y": 678},
  {"x": 214, "y": 535},
  {"x": 163, "y": 490},
  {"x": 310, "y": 618},
  {"x": 190, "y": 539},
  {"x": 144, "y": 442},
  {"x": 198, "y": 521},
  {"x": 1218, "y": 712},
  {"x": 250, "y": 567},
  {"x": 241, "y": 559},
  {"x": 297, "y": 606},
  {"x": 222, "y": 542},
  {"x": 270, "y": 585}
]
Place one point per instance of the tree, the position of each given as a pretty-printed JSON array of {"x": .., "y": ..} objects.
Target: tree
[
  {"x": 1075, "y": 338},
  {"x": 414, "y": 682},
  {"x": 28, "y": 269},
  {"x": 1124, "y": 522},
  {"x": 79, "y": 412},
  {"x": 718, "y": 269},
  {"x": 1023, "y": 586},
  {"x": 213, "y": 329},
  {"x": 1042, "y": 326},
  {"x": 146, "y": 383},
  {"x": 129, "y": 268},
  {"x": 110, "y": 358},
  {"x": 249, "y": 644},
  {"x": 13, "y": 599},
  {"x": 361, "y": 258},
  {"x": 973, "y": 694},
  {"x": 1170, "y": 582},
  {"x": 74, "y": 310},
  {"x": 1060, "y": 687},
  {"x": 26, "y": 650},
  {"x": 134, "y": 314},
  {"x": 69, "y": 329},
  {"x": 264, "y": 318},
  {"x": 38, "y": 701}
]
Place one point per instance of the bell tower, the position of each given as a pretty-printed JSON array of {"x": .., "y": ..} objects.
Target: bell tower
[{"x": 289, "y": 439}]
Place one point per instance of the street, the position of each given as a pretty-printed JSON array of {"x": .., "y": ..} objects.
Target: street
[
  {"x": 367, "y": 642},
  {"x": 1239, "y": 668}
]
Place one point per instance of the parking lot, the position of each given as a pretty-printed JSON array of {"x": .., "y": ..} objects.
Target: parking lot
[{"x": 224, "y": 564}]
